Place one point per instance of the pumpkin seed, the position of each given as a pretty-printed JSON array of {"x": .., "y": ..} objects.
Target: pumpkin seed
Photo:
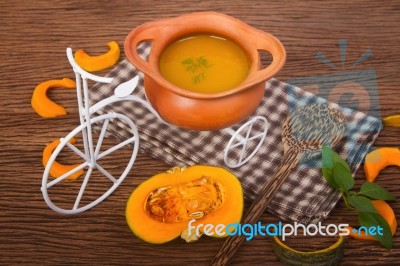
[{"x": 196, "y": 215}]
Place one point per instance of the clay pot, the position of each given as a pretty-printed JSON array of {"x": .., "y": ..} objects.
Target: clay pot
[{"x": 202, "y": 111}]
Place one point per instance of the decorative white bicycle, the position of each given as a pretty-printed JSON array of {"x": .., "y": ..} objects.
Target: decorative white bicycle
[{"x": 92, "y": 148}]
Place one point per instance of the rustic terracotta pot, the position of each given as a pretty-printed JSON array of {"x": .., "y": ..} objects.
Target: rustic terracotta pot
[{"x": 202, "y": 111}]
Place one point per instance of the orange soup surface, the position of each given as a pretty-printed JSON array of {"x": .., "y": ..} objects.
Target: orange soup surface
[{"x": 204, "y": 63}]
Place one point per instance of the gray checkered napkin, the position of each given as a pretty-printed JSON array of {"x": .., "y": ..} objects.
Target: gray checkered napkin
[{"x": 304, "y": 197}]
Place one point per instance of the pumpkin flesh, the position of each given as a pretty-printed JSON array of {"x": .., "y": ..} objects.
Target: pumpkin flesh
[
  {"x": 98, "y": 62},
  {"x": 377, "y": 160},
  {"x": 184, "y": 202},
  {"x": 219, "y": 185}
]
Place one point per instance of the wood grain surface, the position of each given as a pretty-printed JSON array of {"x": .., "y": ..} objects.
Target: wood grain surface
[{"x": 33, "y": 38}]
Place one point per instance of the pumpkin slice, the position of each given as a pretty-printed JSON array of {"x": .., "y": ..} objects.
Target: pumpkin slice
[
  {"x": 160, "y": 209},
  {"x": 289, "y": 256},
  {"x": 98, "y": 62},
  {"x": 391, "y": 121},
  {"x": 377, "y": 160},
  {"x": 58, "y": 169},
  {"x": 42, "y": 104},
  {"x": 384, "y": 209}
]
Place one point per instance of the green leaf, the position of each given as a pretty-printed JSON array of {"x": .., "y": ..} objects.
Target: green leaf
[
  {"x": 369, "y": 219},
  {"x": 202, "y": 61},
  {"x": 361, "y": 203},
  {"x": 330, "y": 161},
  {"x": 343, "y": 177},
  {"x": 375, "y": 191},
  {"x": 188, "y": 61},
  {"x": 327, "y": 166},
  {"x": 328, "y": 174},
  {"x": 330, "y": 158},
  {"x": 327, "y": 160}
]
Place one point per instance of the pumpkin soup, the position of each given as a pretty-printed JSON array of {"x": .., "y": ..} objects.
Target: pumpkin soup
[{"x": 204, "y": 63}]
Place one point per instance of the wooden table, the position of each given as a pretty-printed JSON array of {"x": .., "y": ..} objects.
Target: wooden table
[{"x": 33, "y": 38}]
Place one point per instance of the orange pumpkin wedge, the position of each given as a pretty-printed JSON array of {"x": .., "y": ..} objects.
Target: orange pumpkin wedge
[
  {"x": 386, "y": 212},
  {"x": 42, "y": 104},
  {"x": 377, "y": 160},
  {"x": 391, "y": 121},
  {"x": 58, "y": 169},
  {"x": 98, "y": 62},
  {"x": 160, "y": 209}
]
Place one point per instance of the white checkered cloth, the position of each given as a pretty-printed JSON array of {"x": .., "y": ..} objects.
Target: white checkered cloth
[{"x": 304, "y": 197}]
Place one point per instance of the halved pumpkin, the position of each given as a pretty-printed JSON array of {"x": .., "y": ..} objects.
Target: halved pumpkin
[{"x": 160, "y": 209}]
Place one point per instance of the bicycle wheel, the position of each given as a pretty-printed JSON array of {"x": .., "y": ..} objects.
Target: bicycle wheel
[
  {"x": 245, "y": 142},
  {"x": 94, "y": 166}
]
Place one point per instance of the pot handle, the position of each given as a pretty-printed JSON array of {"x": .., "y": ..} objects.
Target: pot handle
[
  {"x": 267, "y": 42},
  {"x": 146, "y": 33}
]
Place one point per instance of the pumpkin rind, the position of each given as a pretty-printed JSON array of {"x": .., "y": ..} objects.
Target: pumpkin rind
[
  {"x": 153, "y": 231},
  {"x": 328, "y": 256}
]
